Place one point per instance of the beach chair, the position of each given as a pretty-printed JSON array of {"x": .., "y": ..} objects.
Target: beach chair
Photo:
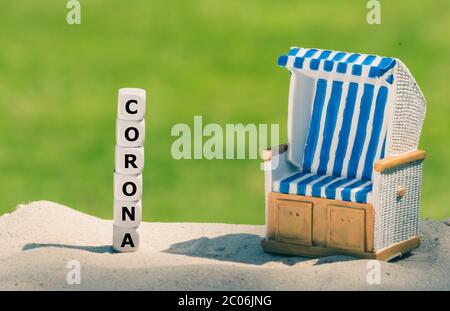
[{"x": 349, "y": 180}]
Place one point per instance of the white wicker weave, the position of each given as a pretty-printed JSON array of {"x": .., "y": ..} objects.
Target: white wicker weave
[
  {"x": 408, "y": 113},
  {"x": 397, "y": 219}
]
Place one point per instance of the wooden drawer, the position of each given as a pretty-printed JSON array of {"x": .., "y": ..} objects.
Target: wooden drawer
[
  {"x": 294, "y": 223},
  {"x": 320, "y": 222},
  {"x": 346, "y": 228}
]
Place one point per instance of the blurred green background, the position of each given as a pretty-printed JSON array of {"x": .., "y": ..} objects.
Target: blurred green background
[{"x": 215, "y": 58}]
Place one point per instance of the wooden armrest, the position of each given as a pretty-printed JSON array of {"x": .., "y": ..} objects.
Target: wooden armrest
[
  {"x": 394, "y": 161},
  {"x": 266, "y": 155}
]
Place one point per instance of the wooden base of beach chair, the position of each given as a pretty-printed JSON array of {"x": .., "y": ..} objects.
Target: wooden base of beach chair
[
  {"x": 314, "y": 227},
  {"x": 386, "y": 254}
]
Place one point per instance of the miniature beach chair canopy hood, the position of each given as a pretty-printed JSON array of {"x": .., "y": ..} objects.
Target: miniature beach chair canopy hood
[{"x": 349, "y": 179}]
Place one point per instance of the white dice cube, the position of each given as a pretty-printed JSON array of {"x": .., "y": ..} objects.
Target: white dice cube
[
  {"x": 131, "y": 104},
  {"x": 127, "y": 214},
  {"x": 127, "y": 187},
  {"x": 130, "y": 133},
  {"x": 129, "y": 161},
  {"x": 125, "y": 239}
]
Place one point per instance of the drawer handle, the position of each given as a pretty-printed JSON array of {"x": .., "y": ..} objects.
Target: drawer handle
[{"x": 401, "y": 192}]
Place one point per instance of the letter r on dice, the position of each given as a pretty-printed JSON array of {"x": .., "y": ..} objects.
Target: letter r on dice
[{"x": 129, "y": 161}]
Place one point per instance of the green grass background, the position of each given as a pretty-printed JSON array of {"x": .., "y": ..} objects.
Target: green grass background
[{"x": 215, "y": 58}]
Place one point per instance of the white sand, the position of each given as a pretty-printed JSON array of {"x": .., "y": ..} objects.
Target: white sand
[{"x": 38, "y": 240}]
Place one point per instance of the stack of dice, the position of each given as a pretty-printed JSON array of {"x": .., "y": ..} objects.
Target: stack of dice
[{"x": 129, "y": 164}]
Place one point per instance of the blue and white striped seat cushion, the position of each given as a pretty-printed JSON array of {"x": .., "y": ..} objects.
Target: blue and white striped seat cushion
[{"x": 326, "y": 186}]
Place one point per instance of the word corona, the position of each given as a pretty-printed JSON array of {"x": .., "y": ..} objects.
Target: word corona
[{"x": 129, "y": 165}]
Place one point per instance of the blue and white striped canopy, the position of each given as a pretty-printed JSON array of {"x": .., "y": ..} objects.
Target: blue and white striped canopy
[
  {"x": 348, "y": 123},
  {"x": 355, "y": 64}
]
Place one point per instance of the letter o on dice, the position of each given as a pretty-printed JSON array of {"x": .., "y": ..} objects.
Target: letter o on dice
[
  {"x": 130, "y": 133},
  {"x": 127, "y": 187}
]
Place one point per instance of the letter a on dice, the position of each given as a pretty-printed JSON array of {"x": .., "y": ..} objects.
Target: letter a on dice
[{"x": 125, "y": 239}]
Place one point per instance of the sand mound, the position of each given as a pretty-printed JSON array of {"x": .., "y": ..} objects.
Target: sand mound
[{"x": 39, "y": 239}]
